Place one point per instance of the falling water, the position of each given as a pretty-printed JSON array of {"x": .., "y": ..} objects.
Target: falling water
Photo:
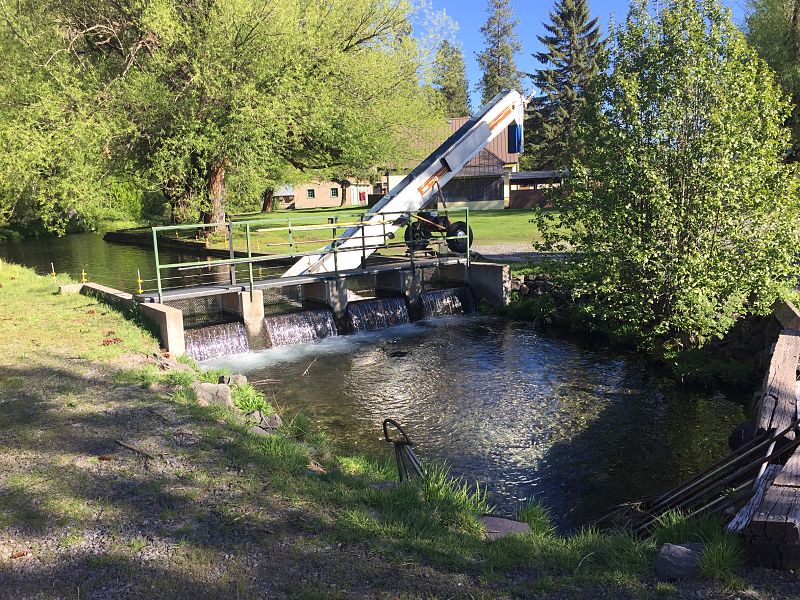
[
  {"x": 380, "y": 313},
  {"x": 298, "y": 328},
  {"x": 216, "y": 340},
  {"x": 453, "y": 301}
]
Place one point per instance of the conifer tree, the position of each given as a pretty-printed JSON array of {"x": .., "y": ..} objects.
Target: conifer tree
[
  {"x": 450, "y": 79},
  {"x": 497, "y": 59},
  {"x": 569, "y": 61}
]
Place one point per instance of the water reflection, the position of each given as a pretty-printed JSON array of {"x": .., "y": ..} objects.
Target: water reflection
[{"x": 523, "y": 412}]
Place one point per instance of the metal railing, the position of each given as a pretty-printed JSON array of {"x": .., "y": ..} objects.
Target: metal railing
[{"x": 291, "y": 234}]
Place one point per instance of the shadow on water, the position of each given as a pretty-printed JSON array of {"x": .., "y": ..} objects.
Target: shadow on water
[{"x": 521, "y": 411}]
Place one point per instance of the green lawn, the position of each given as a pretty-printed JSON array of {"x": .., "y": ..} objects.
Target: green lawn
[{"x": 490, "y": 227}]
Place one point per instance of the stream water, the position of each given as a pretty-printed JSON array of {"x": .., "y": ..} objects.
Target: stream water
[{"x": 518, "y": 410}]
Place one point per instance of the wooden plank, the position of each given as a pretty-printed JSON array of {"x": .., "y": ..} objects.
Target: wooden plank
[
  {"x": 790, "y": 473},
  {"x": 778, "y": 516},
  {"x": 781, "y": 383},
  {"x": 742, "y": 518}
]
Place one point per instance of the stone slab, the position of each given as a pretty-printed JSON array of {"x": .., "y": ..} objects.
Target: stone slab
[{"x": 497, "y": 527}]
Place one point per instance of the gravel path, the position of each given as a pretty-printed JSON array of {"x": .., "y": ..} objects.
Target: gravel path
[{"x": 513, "y": 252}]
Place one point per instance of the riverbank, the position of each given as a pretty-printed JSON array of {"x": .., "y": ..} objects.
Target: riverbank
[{"x": 116, "y": 482}]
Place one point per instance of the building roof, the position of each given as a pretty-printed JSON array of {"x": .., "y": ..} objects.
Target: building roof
[
  {"x": 498, "y": 146},
  {"x": 523, "y": 176}
]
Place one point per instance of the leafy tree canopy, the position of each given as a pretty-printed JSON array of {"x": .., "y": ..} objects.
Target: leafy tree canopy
[
  {"x": 205, "y": 101},
  {"x": 682, "y": 214},
  {"x": 773, "y": 28}
]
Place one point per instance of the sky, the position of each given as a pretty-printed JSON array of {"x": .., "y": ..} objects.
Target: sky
[{"x": 471, "y": 14}]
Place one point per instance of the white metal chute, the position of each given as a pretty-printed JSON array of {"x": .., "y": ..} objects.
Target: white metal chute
[{"x": 419, "y": 187}]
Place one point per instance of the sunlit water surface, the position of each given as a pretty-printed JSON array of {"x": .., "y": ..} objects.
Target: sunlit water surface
[{"x": 521, "y": 411}]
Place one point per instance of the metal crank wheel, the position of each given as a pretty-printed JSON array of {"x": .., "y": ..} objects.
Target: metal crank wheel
[
  {"x": 459, "y": 240},
  {"x": 416, "y": 236}
]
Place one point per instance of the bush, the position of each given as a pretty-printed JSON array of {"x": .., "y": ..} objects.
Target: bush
[
  {"x": 721, "y": 558},
  {"x": 682, "y": 216}
]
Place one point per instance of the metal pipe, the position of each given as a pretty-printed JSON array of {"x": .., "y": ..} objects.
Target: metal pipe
[{"x": 158, "y": 266}]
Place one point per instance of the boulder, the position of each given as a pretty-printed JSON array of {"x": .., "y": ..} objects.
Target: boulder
[
  {"x": 257, "y": 431},
  {"x": 515, "y": 283},
  {"x": 273, "y": 421},
  {"x": 523, "y": 290},
  {"x": 676, "y": 561},
  {"x": 213, "y": 393},
  {"x": 497, "y": 527},
  {"x": 235, "y": 380}
]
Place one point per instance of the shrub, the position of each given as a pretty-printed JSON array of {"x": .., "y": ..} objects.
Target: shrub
[{"x": 682, "y": 216}]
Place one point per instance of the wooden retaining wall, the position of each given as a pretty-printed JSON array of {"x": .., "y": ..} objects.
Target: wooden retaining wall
[{"x": 771, "y": 521}]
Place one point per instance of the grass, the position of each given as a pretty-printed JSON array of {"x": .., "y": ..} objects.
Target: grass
[
  {"x": 214, "y": 489},
  {"x": 490, "y": 227},
  {"x": 248, "y": 399}
]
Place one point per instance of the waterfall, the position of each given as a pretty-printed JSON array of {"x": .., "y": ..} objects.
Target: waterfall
[
  {"x": 453, "y": 301},
  {"x": 298, "y": 328},
  {"x": 216, "y": 340},
  {"x": 368, "y": 315}
]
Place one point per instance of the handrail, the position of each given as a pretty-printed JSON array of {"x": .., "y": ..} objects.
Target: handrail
[{"x": 290, "y": 227}]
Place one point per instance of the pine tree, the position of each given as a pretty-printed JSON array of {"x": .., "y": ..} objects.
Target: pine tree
[
  {"x": 569, "y": 61},
  {"x": 497, "y": 59},
  {"x": 450, "y": 79}
]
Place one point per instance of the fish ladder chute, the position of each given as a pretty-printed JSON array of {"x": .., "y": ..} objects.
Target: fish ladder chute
[{"x": 505, "y": 112}]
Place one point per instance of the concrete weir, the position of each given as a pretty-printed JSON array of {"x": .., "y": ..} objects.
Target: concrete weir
[{"x": 488, "y": 281}]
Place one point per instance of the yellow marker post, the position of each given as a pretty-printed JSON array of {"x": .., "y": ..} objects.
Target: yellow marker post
[
  {"x": 84, "y": 279},
  {"x": 52, "y": 271},
  {"x": 139, "y": 289}
]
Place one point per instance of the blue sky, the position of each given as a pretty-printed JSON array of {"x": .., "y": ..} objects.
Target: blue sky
[{"x": 471, "y": 14}]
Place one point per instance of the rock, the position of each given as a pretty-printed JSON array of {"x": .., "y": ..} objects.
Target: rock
[
  {"x": 213, "y": 393},
  {"x": 523, "y": 290},
  {"x": 257, "y": 431},
  {"x": 70, "y": 288},
  {"x": 676, "y": 561},
  {"x": 543, "y": 277},
  {"x": 515, "y": 283},
  {"x": 235, "y": 380},
  {"x": 543, "y": 287},
  {"x": 273, "y": 421},
  {"x": 497, "y": 527}
]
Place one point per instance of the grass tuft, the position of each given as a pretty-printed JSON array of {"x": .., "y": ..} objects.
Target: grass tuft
[
  {"x": 537, "y": 516},
  {"x": 722, "y": 559},
  {"x": 249, "y": 399}
]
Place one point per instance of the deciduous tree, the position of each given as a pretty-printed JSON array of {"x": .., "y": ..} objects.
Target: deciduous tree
[
  {"x": 773, "y": 28},
  {"x": 682, "y": 216}
]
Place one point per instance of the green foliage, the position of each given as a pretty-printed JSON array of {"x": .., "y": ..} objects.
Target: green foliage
[
  {"x": 675, "y": 527},
  {"x": 537, "y": 516},
  {"x": 213, "y": 375},
  {"x": 569, "y": 63},
  {"x": 774, "y": 30},
  {"x": 249, "y": 399},
  {"x": 722, "y": 559},
  {"x": 682, "y": 215},
  {"x": 120, "y": 107},
  {"x": 450, "y": 79},
  {"x": 452, "y": 499},
  {"x": 540, "y": 309},
  {"x": 500, "y": 44}
]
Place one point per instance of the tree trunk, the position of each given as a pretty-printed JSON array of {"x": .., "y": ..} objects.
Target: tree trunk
[
  {"x": 216, "y": 194},
  {"x": 267, "y": 196}
]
